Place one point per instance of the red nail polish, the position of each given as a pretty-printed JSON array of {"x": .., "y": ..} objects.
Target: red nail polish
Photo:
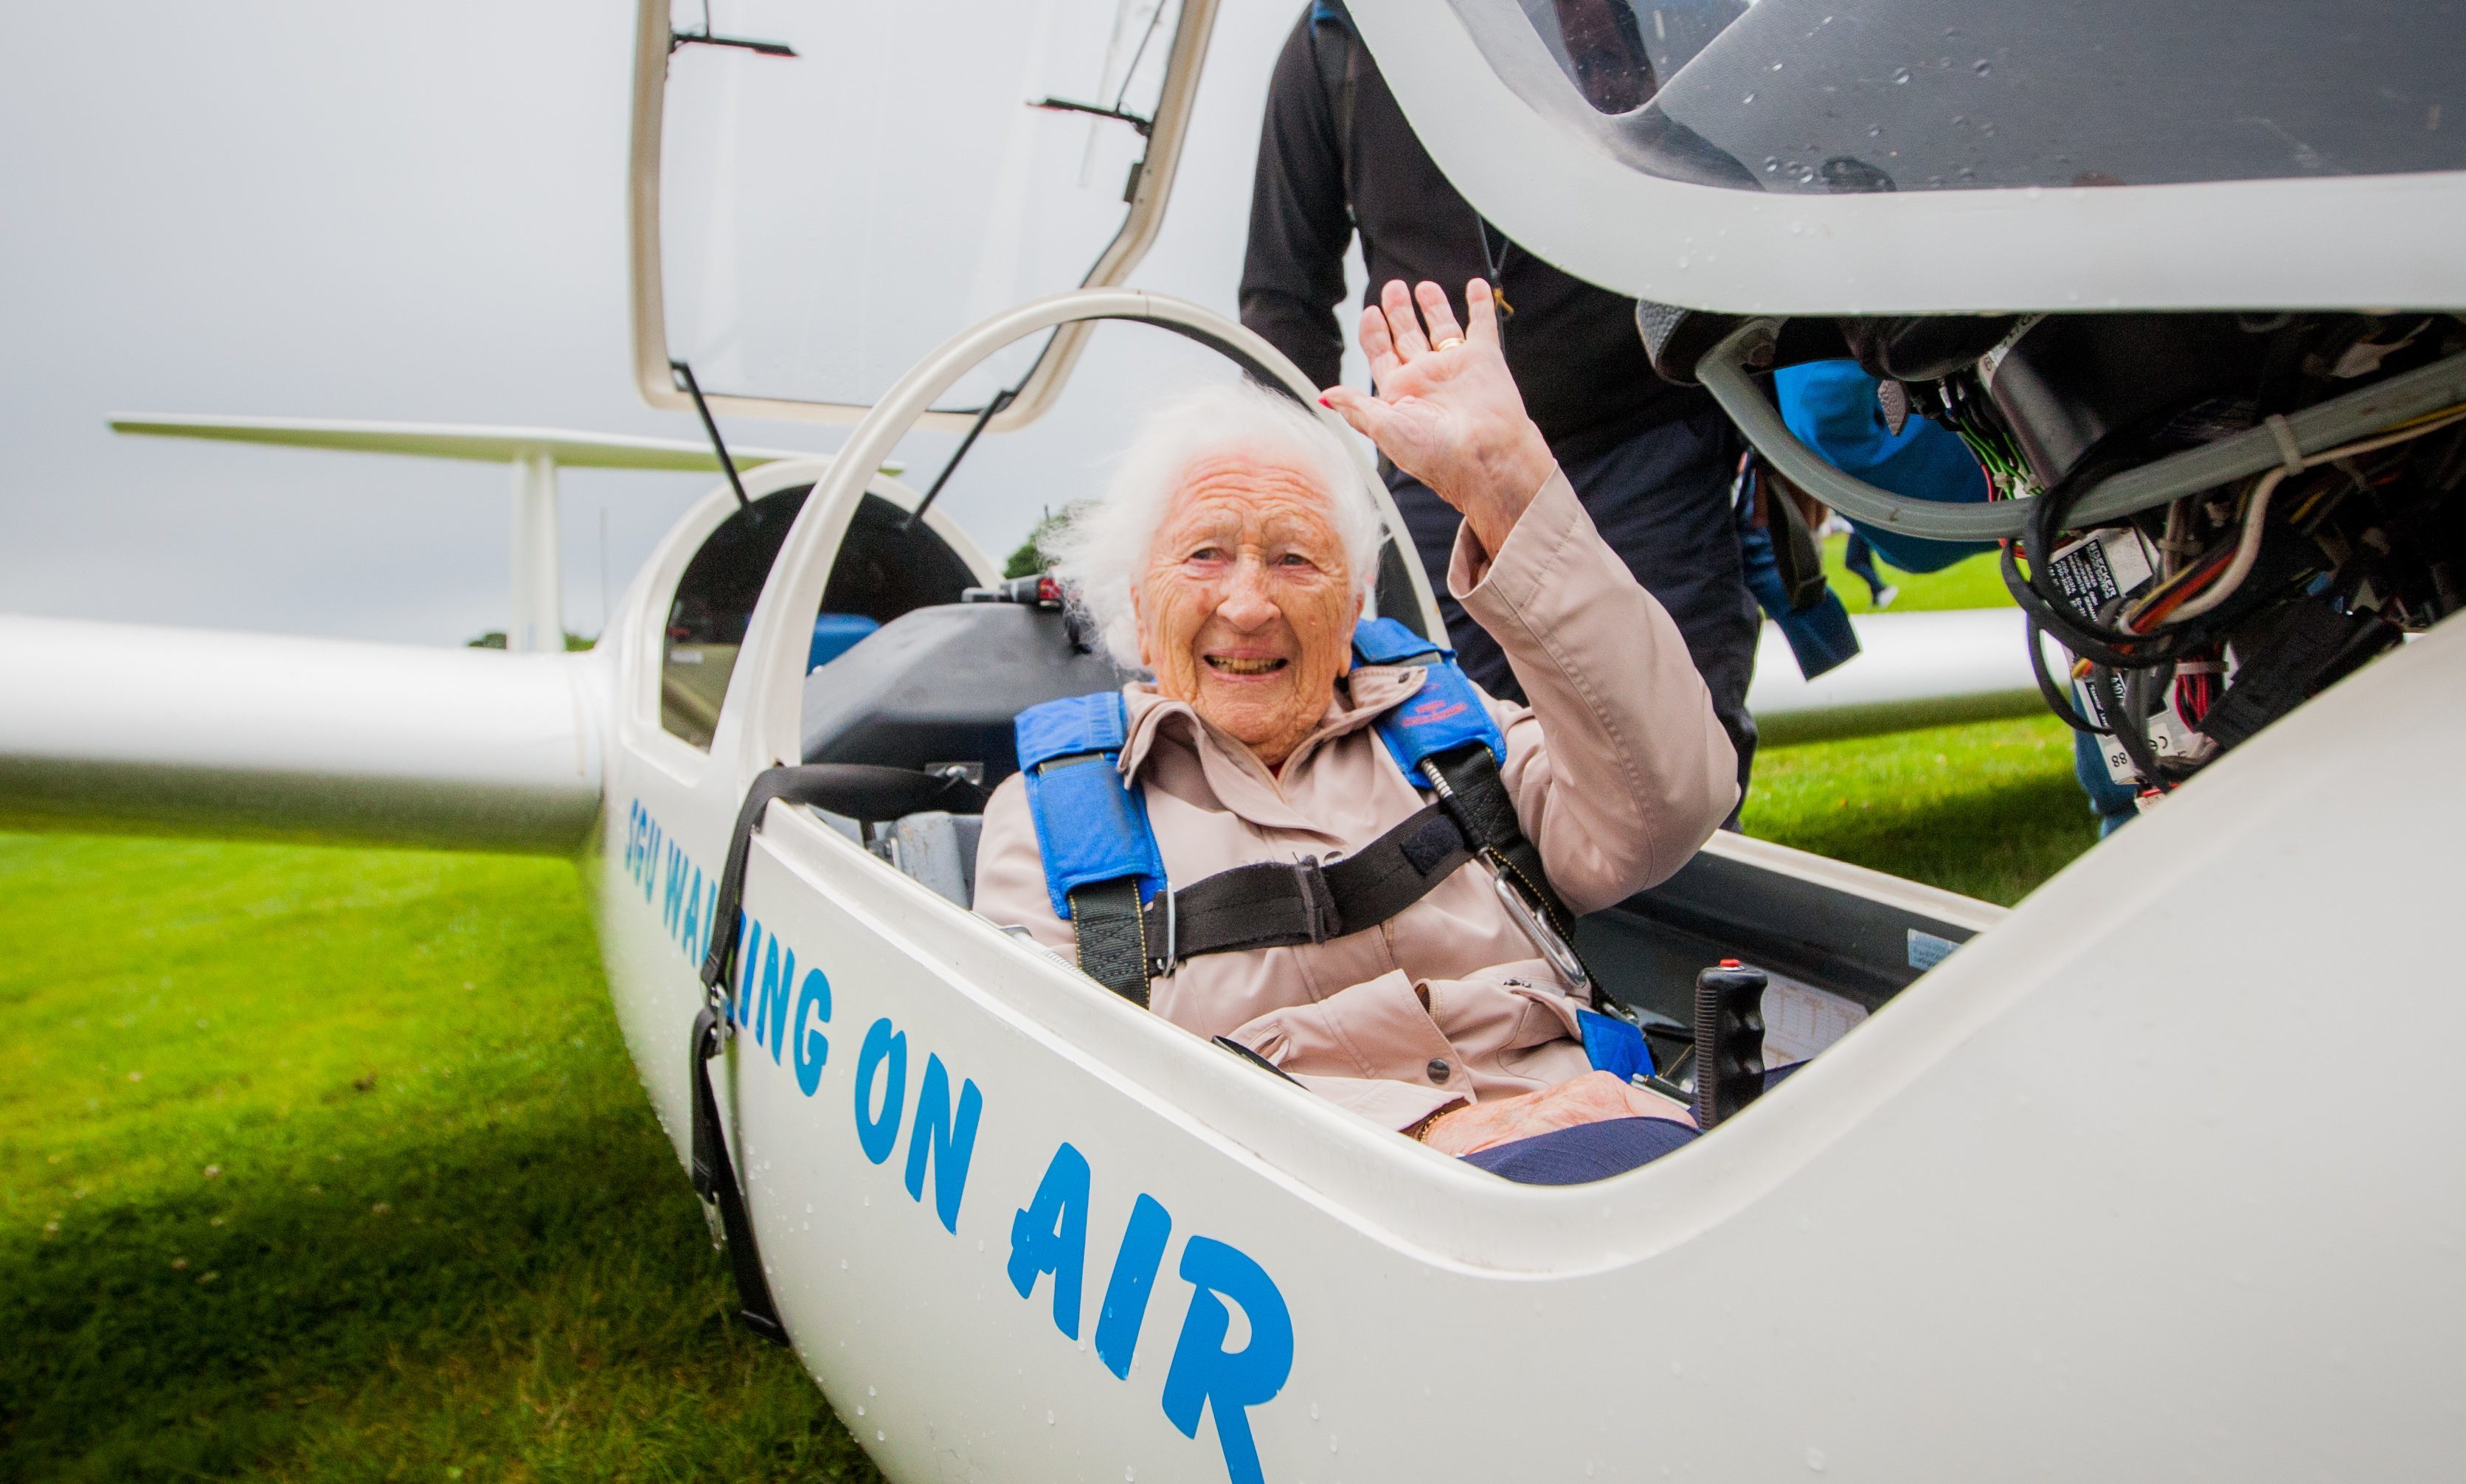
[{"x": 1324, "y": 402}]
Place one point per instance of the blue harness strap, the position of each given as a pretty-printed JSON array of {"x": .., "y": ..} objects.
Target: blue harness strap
[
  {"x": 1089, "y": 826},
  {"x": 1445, "y": 714},
  {"x": 1092, "y": 827},
  {"x": 1093, "y": 832},
  {"x": 1614, "y": 1046},
  {"x": 1387, "y": 641}
]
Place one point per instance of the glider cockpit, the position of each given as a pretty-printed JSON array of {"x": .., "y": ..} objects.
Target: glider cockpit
[
  {"x": 744, "y": 240},
  {"x": 886, "y": 567},
  {"x": 932, "y": 693}
]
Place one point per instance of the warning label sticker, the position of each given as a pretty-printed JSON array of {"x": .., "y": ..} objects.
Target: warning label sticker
[
  {"x": 1800, "y": 1020},
  {"x": 2100, "y": 567}
]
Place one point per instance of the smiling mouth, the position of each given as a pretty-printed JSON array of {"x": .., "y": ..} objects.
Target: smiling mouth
[{"x": 1228, "y": 664}]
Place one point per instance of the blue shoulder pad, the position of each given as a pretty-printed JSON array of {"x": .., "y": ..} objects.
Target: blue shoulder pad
[
  {"x": 1446, "y": 713},
  {"x": 1099, "y": 723},
  {"x": 1387, "y": 641},
  {"x": 1089, "y": 825},
  {"x": 1614, "y": 1046}
]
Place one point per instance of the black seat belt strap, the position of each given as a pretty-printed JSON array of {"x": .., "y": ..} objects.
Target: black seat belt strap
[
  {"x": 714, "y": 1180},
  {"x": 1477, "y": 798},
  {"x": 1283, "y": 904},
  {"x": 1279, "y": 903},
  {"x": 714, "y": 1173},
  {"x": 1112, "y": 937},
  {"x": 858, "y": 790}
]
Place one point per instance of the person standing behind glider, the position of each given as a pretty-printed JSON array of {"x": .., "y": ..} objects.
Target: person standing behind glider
[
  {"x": 1836, "y": 409},
  {"x": 1651, "y": 463}
]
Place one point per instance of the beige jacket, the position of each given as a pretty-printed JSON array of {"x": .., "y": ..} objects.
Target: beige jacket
[{"x": 1619, "y": 771}]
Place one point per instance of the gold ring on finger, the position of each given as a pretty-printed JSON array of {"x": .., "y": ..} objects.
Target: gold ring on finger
[{"x": 1448, "y": 344}]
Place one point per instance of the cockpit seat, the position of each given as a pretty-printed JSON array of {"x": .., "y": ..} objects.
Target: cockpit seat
[
  {"x": 938, "y": 687},
  {"x": 935, "y": 847},
  {"x": 835, "y": 633}
]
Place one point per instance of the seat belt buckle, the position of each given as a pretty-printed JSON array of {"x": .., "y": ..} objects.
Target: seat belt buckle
[
  {"x": 1557, "y": 950},
  {"x": 1318, "y": 903},
  {"x": 1561, "y": 955},
  {"x": 1162, "y": 967}
]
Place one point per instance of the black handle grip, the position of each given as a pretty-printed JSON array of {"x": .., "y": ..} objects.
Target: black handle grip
[{"x": 1729, "y": 1040}]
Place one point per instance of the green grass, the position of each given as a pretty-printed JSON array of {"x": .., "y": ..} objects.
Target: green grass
[
  {"x": 1988, "y": 809},
  {"x": 322, "y": 1164},
  {"x": 1972, "y": 582},
  {"x": 443, "y": 1232}
]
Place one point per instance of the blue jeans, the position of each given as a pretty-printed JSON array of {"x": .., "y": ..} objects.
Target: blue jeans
[
  {"x": 1860, "y": 559},
  {"x": 1594, "y": 1150},
  {"x": 1820, "y": 636},
  {"x": 2110, "y": 802}
]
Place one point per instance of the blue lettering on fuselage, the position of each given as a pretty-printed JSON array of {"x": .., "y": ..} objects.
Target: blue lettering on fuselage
[
  {"x": 1227, "y": 1382},
  {"x": 1049, "y": 1235},
  {"x": 1125, "y": 1308},
  {"x": 946, "y": 1138},
  {"x": 877, "y": 1132},
  {"x": 669, "y": 879},
  {"x": 788, "y": 1015},
  {"x": 813, "y": 1047}
]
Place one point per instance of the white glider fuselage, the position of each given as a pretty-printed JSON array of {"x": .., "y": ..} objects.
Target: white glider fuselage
[
  {"x": 2073, "y": 1173},
  {"x": 1019, "y": 1229},
  {"x": 2081, "y": 1168}
]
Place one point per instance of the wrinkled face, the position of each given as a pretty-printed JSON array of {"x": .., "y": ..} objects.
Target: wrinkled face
[{"x": 1247, "y": 610}]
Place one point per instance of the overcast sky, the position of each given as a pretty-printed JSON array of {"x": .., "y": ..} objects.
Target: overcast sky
[{"x": 408, "y": 213}]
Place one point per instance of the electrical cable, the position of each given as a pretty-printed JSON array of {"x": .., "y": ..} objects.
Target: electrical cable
[
  {"x": 2136, "y": 688},
  {"x": 2071, "y": 629},
  {"x": 2057, "y": 700},
  {"x": 2130, "y": 730},
  {"x": 2247, "y": 551},
  {"x": 2256, "y": 509},
  {"x": 2085, "y": 634},
  {"x": 2133, "y": 646},
  {"x": 2161, "y": 601},
  {"x": 1725, "y": 371}
]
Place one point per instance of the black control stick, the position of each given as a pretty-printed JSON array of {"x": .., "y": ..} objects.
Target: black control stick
[{"x": 1729, "y": 1040}]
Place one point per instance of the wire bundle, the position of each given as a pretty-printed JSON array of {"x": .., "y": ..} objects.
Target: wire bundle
[{"x": 2130, "y": 651}]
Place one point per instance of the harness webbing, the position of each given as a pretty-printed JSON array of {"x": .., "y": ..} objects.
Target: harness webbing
[
  {"x": 856, "y": 789},
  {"x": 714, "y": 1180},
  {"x": 1278, "y": 904},
  {"x": 1476, "y": 796},
  {"x": 1112, "y": 937},
  {"x": 1106, "y": 877}
]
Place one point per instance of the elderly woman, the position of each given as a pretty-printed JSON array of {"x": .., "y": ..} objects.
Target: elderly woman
[{"x": 1231, "y": 559}]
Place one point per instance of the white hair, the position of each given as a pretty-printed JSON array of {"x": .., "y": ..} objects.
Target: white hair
[{"x": 1103, "y": 546}]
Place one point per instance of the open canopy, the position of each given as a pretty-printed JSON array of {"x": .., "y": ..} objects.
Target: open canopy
[
  {"x": 1915, "y": 155},
  {"x": 823, "y": 193},
  {"x": 1809, "y": 96}
]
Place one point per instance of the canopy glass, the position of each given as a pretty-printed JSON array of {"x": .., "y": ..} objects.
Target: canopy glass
[
  {"x": 825, "y": 218},
  {"x": 1821, "y": 95}
]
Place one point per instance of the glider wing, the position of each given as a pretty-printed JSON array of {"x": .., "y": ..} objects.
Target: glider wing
[{"x": 129, "y": 728}]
